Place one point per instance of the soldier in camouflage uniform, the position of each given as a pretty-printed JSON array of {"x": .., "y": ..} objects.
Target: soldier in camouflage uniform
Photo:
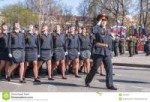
[{"x": 130, "y": 46}]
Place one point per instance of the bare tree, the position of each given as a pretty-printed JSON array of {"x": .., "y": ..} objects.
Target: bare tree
[
  {"x": 116, "y": 9},
  {"x": 67, "y": 14},
  {"x": 83, "y": 11},
  {"x": 143, "y": 7},
  {"x": 46, "y": 9}
]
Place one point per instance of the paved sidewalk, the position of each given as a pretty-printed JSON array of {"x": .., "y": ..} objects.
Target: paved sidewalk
[{"x": 139, "y": 60}]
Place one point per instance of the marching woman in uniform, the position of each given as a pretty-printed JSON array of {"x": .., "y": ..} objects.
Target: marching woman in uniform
[
  {"x": 59, "y": 50},
  {"x": 4, "y": 59},
  {"x": 85, "y": 49},
  {"x": 81, "y": 66},
  {"x": 16, "y": 51},
  {"x": 73, "y": 50},
  {"x": 32, "y": 51},
  {"x": 46, "y": 50}
]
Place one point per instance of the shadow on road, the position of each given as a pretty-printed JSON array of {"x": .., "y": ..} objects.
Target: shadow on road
[
  {"x": 128, "y": 81},
  {"x": 59, "y": 84}
]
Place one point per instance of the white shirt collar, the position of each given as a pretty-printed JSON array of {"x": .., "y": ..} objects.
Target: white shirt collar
[{"x": 17, "y": 31}]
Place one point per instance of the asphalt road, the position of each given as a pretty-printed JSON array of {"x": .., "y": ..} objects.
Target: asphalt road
[{"x": 126, "y": 79}]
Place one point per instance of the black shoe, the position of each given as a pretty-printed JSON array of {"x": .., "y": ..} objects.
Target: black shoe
[
  {"x": 8, "y": 78},
  {"x": 38, "y": 77},
  {"x": 112, "y": 88},
  {"x": 102, "y": 74},
  {"x": 81, "y": 68},
  {"x": 22, "y": 81},
  {"x": 77, "y": 76},
  {"x": 50, "y": 79},
  {"x": 87, "y": 85},
  {"x": 24, "y": 78},
  {"x": 70, "y": 71},
  {"x": 64, "y": 78},
  {"x": 36, "y": 80}
]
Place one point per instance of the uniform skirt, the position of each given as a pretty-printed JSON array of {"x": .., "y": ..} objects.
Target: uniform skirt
[
  {"x": 45, "y": 55},
  {"x": 72, "y": 54},
  {"x": 85, "y": 54},
  {"x": 18, "y": 56},
  {"x": 31, "y": 54},
  {"x": 4, "y": 54},
  {"x": 59, "y": 54}
]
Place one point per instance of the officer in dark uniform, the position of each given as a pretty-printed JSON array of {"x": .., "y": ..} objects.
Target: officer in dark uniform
[
  {"x": 102, "y": 52},
  {"x": 147, "y": 45},
  {"x": 85, "y": 48},
  {"x": 4, "y": 59},
  {"x": 73, "y": 49},
  {"x": 46, "y": 50},
  {"x": 59, "y": 50},
  {"x": 17, "y": 51},
  {"x": 32, "y": 51},
  {"x": 130, "y": 45},
  {"x": 116, "y": 45},
  {"x": 122, "y": 45}
]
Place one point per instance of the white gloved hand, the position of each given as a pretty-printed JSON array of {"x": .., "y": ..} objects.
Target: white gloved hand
[
  {"x": 99, "y": 22},
  {"x": 66, "y": 53},
  {"x": 38, "y": 56},
  {"x": 78, "y": 53},
  {"x": 10, "y": 55}
]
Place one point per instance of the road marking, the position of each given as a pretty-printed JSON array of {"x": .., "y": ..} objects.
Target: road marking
[
  {"x": 12, "y": 83},
  {"x": 137, "y": 87},
  {"x": 118, "y": 75}
]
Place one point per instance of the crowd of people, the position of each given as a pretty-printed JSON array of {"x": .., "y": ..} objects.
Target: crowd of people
[
  {"x": 56, "y": 49},
  {"x": 70, "y": 51},
  {"x": 131, "y": 43}
]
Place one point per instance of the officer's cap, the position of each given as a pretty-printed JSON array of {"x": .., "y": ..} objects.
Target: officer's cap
[
  {"x": 16, "y": 21},
  {"x": 102, "y": 16}
]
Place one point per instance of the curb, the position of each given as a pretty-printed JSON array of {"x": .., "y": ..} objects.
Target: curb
[{"x": 132, "y": 65}]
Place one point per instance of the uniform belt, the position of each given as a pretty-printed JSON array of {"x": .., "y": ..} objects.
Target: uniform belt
[
  {"x": 83, "y": 49},
  {"x": 45, "y": 49},
  {"x": 101, "y": 44},
  {"x": 72, "y": 48},
  {"x": 31, "y": 48},
  {"x": 17, "y": 48}
]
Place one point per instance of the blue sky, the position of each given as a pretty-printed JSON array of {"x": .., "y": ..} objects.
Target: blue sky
[{"x": 73, "y": 3}]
